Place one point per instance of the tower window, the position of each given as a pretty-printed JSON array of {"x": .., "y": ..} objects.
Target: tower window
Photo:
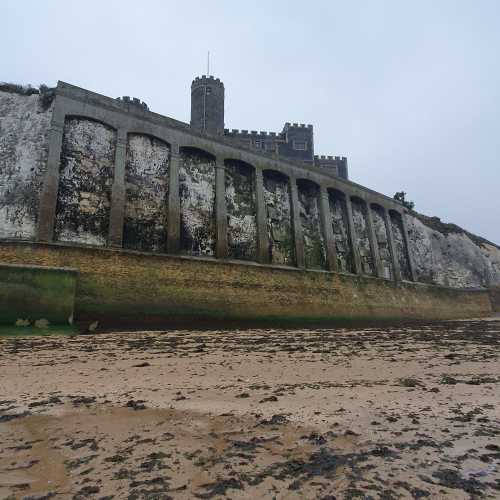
[
  {"x": 209, "y": 90},
  {"x": 300, "y": 145}
]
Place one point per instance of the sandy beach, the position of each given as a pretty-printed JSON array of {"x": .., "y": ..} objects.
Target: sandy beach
[{"x": 402, "y": 412}]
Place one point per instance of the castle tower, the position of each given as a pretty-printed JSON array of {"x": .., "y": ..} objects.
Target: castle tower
[{"x": 207, "y": 104}]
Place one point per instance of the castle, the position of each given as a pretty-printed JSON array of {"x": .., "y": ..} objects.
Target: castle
[
  {"x": 295, "y": 142},
  {"x": 132, "y": 200}
]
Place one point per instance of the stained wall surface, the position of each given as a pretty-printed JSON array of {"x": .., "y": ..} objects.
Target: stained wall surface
[
  {"x": 197, "y": 199},
  {"x": 400, "y": 246},
  {"x": 279, "y": 218},
  {"x": 146, "y": 206},
  {"x": 314, "y": 246},
  {"x": 340, "y": 227},
  {"x": 241, "y": 210},
  {"x": 362, "y": 237},
  {"x": 85, "y": 180},
  {"x": 382, "y": 242},
  {"x": 24, "y": 129}
]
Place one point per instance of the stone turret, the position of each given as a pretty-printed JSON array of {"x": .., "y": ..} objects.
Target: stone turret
[{"x": 207, "y": 104}]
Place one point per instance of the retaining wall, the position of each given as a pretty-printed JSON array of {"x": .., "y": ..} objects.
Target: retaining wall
[{"x": 120, "y": 284}]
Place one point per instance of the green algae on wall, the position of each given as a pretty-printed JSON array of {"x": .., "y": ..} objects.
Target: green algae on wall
[
  {"x": 146, "y": 206},
  {"x": 31, "y": 293}
]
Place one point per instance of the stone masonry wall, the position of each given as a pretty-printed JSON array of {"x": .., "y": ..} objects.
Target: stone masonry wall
[
  {"x": 24, "y": 127},
  {"x": 279, "y": 219},
  {"x": 197, "y": 198},
  {"x": 340, "y": 228},
  {"x": 382, "y": 242},
  {"x": 447, "y": 255},
  {"x": 241, "y": 211},
  {"x": 129, "y": 285},
  {"x": 362, "y": 238},
  {"x": 146, "y": 207},
  {"x": 314, "y": 247},
  {"x": 85, "y": 180}
]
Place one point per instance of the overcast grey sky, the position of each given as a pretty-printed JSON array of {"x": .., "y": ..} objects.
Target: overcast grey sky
[{"x": 409, "y": 91}]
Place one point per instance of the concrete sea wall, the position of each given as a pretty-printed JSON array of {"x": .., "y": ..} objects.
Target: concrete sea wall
[{"x": 119, "y": 285}]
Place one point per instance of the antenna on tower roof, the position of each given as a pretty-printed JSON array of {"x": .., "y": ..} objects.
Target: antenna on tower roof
[{"x": 208, "y": 63}]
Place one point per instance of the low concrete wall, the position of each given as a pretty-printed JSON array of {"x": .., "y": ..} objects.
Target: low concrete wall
[
  {"x": 495, "y": 298},
  {"x": 33, "y": 293},
  {"x": 118, "y": 284}
]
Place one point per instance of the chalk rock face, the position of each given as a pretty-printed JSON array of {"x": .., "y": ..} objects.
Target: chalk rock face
[
  {"x": 24, "y": 128},
  {"x": 445, "y": 254}
]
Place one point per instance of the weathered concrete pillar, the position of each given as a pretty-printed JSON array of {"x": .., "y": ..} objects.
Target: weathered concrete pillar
[
  {"x": 300, "y": 259},
  {"x": 174, "y": 206},
  {"x": 118, "y": 195},
  {"x": 392, "y": 247},
  {"x": 260, "y": 202},
  {"x": 373, "y": 242},
  {"x": 48, "y": 195},
  {"x": 326, "y": 223},
  {"x": 352, "y": 235},
  {"x": 411, "y": 263},
  {"x": 220, "y": 209}
]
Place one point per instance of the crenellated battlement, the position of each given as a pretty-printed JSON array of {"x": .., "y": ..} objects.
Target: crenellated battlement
[
  {"x": 250, "y": 134},
  {"x": 134, "y": 101},
  {"x": 289, "y": 126},
  {"x": 327, "y": 157},
  {"x": 206, "y": 80}
]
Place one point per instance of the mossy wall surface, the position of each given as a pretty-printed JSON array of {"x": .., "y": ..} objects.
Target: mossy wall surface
[
  {"x": 124, "y": 284},
  {"x": 32, "y": 293}
]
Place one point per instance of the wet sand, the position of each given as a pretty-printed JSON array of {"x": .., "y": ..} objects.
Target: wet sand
[{"x": 387, "y": 413}]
